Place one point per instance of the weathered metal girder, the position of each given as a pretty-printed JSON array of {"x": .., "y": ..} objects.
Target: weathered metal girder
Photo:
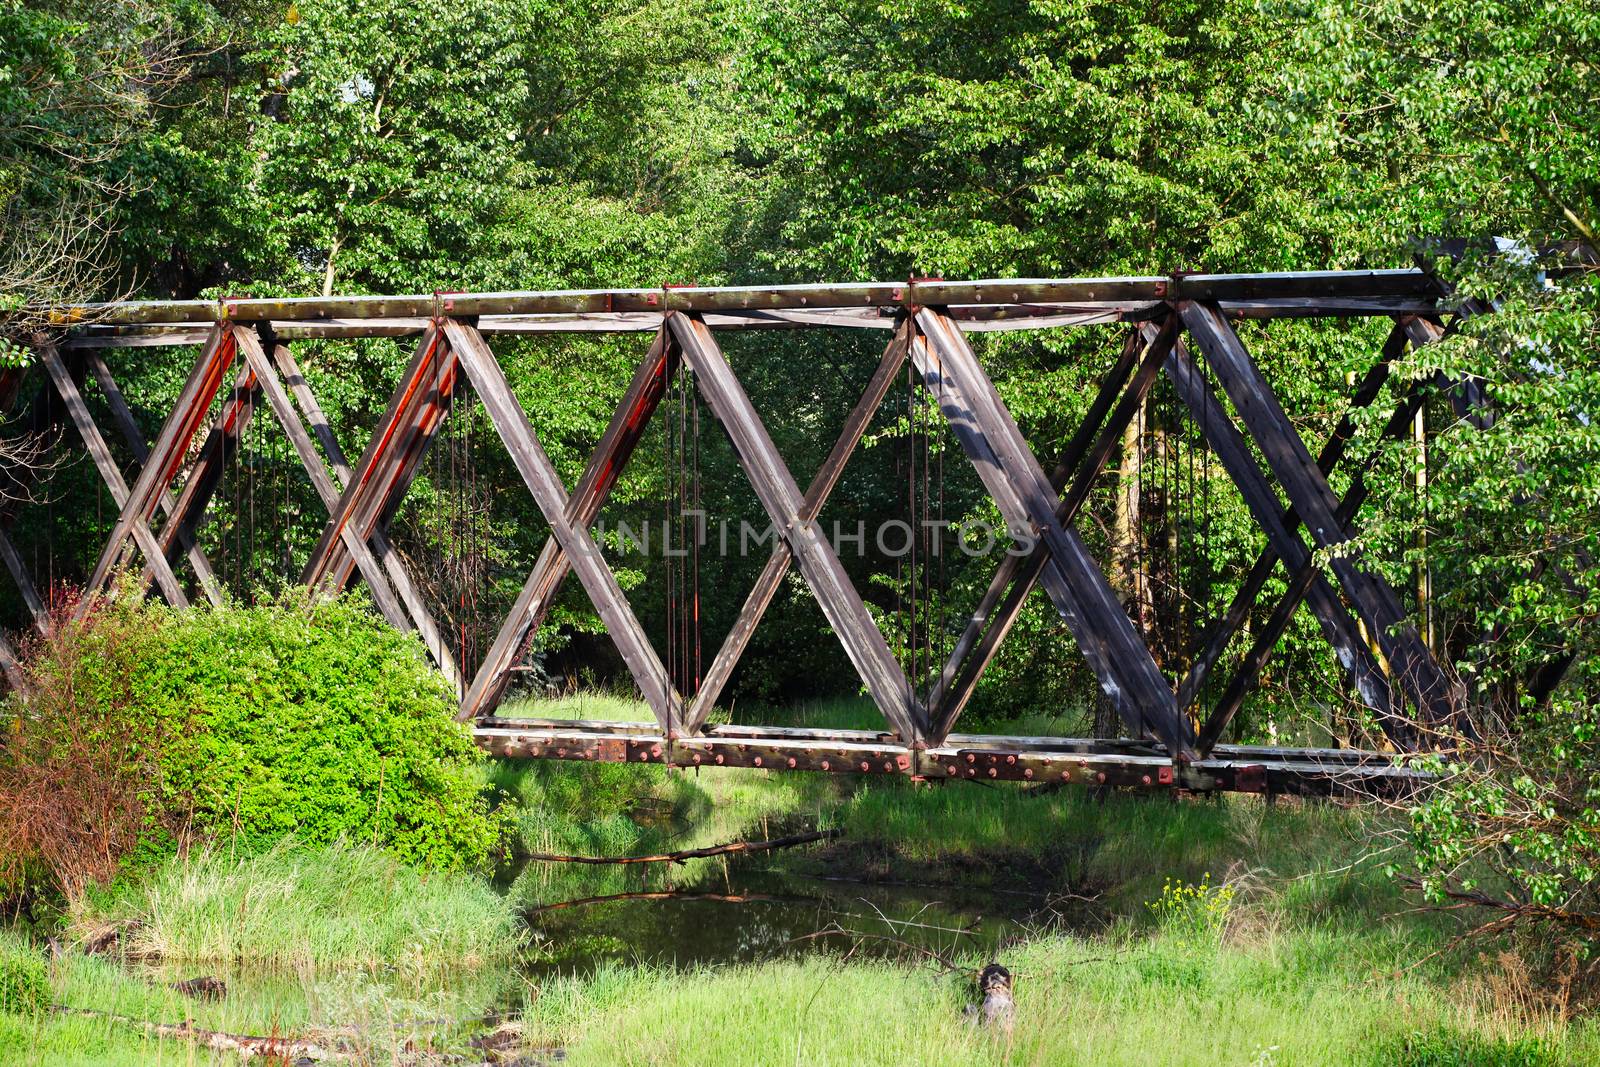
[
  {"x": 963, "y": 757},
  {"x": 974, "y": 318},
  {"x": 928, "y": 321},
  {"x": 1311, "y": 292}
]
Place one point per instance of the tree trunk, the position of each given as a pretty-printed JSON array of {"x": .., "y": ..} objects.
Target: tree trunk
[{"x": 1128, "y": 576}]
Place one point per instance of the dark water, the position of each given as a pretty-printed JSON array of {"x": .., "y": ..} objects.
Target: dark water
[{"x": 749, "y": 915}]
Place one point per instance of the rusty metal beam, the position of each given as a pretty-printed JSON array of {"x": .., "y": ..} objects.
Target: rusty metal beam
[
  {"x": 1104, "y": 634},
  {"x": 166, "y": 459},
  {"x": 529, "y": 457},
  {"x": 777, "y": 565},
  {"x": 283, "y": 409},
  {"x": 1036, "y": 760},
  {"x": 992, "y": 620},
  {"x": 380, "y": 482},
  {"x": 67, "y": 388},
  {"x": 1221, "y": 634},
  {"x": 16, "y": 484},
  {"x": 391, "y": 587},
  {"x": 166, "y": 503},
  {"x": 37, "y": 612},
  {"x": 1313, "y": 291},
  {"x": 606, "y": 464},
  {"x": 780, "y": 496},
  {"x": 1233, "y": 452},
  {"x": 1266, "y": 639},
  {"x": 382, "y": 469},
  {"x": 221, "y": 445},
  {"x": 10, "y": 667},
  {"x": 1438, "y": 700}
]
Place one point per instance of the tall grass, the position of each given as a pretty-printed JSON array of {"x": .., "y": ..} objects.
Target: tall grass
[
  {"x": 379, "y": 1016},
  {"x": 289, "y": 907},
  {"x": 1302, "y": 997},
  {"x": 585, "y": 704},
  {"x": 1314, "y": 855}
]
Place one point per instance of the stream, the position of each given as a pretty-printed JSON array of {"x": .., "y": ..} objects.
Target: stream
[{"x": 760, "y": 913}]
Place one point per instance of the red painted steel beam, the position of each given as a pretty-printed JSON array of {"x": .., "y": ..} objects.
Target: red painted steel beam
[
  {"x": 370, "y": 477},
  {"x": 166, "y": 459}
]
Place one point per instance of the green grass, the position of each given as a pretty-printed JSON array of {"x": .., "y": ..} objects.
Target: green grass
[
  {"x": 1126, "y": 846},
  {"x": 1304, "y": 996},
  {"x": 24, "y": 979},
  {"x": 291, "y": 907},
  {"x": 342, "y": 943},
  {"x": 1315, "y": 959},
  {"x": 379, "y": 1010},
  {"x": 608, "y": 707}
]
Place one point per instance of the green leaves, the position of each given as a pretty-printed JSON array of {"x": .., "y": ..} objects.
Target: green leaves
[{"x": 315, "y": 721}]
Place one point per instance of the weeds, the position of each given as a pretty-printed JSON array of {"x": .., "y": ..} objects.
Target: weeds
[
  {"x": 81, "y": 755},
  {"x": 1196, "y": 912},
  {"x": 24, "y": 979},
  {"x": 345, "y": 905}
]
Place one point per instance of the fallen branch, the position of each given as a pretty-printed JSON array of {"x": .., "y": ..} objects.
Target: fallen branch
[
  {"x": 696, "y": 853},
  {"x": 247, "y": 1045}
]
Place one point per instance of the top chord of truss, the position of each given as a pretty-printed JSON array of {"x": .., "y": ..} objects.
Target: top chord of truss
[{"x": 992, "y": 304}]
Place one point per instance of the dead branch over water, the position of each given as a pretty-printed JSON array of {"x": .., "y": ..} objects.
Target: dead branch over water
[{"x": 696, "y": 853}]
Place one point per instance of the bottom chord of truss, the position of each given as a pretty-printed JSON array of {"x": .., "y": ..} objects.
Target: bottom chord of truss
[{"x": 978, "y": 757}]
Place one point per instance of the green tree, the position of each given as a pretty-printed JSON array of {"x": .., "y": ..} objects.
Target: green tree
[{"x": 78, "y": 81}]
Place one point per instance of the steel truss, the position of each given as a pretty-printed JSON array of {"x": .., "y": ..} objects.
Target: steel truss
[{"x": 246, "y": 350}]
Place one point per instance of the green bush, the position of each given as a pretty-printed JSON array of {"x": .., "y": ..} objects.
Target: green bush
[
  {"x": 291, "y": 718},
  {"x": 24, "y": 978},
  {"x": 318, "y": 721}
]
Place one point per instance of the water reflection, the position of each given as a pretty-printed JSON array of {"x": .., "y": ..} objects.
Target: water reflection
[{"x": 745, "y": 915}]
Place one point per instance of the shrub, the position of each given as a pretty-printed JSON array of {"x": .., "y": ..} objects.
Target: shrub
[
  {"x": 1448, "y": 1048},
  {"x": 318, "y": 721},
  {"x": 1516, "y": 833},
  {"x": 81, "y": 755},
  {"x": 147, "y": 728},
  {"x": 24, "y": 978}
]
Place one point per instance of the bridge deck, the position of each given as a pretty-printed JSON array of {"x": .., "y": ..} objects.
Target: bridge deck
[{"x": 986, "y": 757}]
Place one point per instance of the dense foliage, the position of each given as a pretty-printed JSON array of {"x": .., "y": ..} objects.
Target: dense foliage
[{"x": 144, "y": 729}]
